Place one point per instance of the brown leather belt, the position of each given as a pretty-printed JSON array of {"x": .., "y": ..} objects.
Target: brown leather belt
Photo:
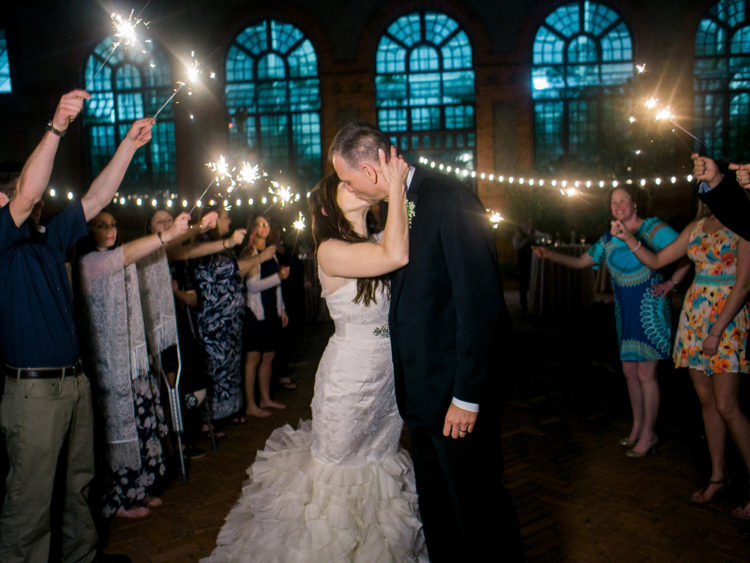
[{"x": 43, "y": 373}]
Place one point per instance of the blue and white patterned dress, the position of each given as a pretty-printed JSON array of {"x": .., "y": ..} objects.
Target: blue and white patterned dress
[
  {"x": 220, "y": 329},
  {"x": 644, "y": 323}
]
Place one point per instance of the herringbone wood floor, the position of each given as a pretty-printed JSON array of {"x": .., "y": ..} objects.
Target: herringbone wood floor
[{"x": 578, "y": 497}]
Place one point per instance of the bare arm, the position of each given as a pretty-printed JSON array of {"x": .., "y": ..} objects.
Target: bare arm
[
  {"x": 142, "y": 247},
  {"x": 736, "y": 300},
  {"x": 578, "y": 262},
  {"x": 199, "y": 249},
  {"x": 105, "y": 185},
  {"x": 367, "y": 259},
  {"x": 247, "y": 263},
  {"x": 36, "y": 171},
  {"x": 670, "y": 253}
]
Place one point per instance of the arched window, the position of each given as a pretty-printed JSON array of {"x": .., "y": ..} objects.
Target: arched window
[
  {"x": 272, "y": 95},
  {"x": 582, "y": 57},
  {"x": 722, "y": 80},
  {"x": 132, "y": 83},
  {"x": 424, "y": 87}
]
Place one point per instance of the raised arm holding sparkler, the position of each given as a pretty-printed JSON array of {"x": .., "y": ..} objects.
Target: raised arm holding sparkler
[
  {"x": 38, "y": 167},
  {"x": 105, "y": 185}
]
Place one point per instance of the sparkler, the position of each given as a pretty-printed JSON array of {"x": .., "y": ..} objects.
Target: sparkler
[
  {"x": 280, "y": 193},
  {"x": 665, "y": 114},
  {"x": 248, "y": 173},
  {"x": 126, "y": 34},
  {"x": 299, "y": 224},
  {"x": 495, "y": 218},
  {"x": 191, "y": 77},
  {"x": 222, "y": 170}
]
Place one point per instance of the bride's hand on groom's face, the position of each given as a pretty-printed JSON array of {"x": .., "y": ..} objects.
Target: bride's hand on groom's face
[{"x": 395, "y": 171}]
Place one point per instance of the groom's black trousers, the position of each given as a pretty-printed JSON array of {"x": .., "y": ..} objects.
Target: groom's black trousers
[{"x": 465, "y": 509}]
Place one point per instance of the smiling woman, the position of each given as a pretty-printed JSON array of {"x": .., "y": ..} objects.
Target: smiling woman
[{"x": 642, "y": 312}]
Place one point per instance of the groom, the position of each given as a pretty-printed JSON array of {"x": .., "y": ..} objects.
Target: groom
[{"x": 451, "y": 342}]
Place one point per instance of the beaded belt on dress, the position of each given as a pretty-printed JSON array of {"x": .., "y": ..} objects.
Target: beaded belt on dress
[
  {"x": 362, "y": 332},
  {"x": 723, "y": 279}
]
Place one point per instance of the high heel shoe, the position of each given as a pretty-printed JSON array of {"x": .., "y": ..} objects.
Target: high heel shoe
[
  {"x": 651, "y": 450},
  {"x": 627, "y": 442},
  {"x": 722, "y": 486}
]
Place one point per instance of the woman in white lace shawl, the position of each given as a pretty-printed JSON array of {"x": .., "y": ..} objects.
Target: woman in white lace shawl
[{"x": 126, "y": 394}]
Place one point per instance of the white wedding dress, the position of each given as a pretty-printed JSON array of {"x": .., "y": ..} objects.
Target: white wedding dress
[{"x": 338, "y": 488}]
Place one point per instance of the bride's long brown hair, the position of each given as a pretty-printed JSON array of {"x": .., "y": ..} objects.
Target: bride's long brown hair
[{"x": 328, "y": 222}]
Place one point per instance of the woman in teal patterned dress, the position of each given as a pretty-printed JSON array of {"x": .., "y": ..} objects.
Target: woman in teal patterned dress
[{"x": 643, "y": 314}]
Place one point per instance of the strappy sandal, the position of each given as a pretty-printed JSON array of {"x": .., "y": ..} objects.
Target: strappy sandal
[
  {"x": 742, "y": 512},
  {"x": 698, "y": 498}
]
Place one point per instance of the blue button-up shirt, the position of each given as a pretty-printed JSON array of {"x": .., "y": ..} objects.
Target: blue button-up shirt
[{"x": 37, "y": 327}]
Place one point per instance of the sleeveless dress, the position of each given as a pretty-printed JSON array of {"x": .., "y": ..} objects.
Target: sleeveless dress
[
  {"x": 644, "y": 320},
  {"x": 338, "y": 488},
  {"x": 715, "y": 258}
]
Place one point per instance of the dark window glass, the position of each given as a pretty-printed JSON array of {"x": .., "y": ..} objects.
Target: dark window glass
[
  {"x": 582, "y": 58},
  {"x": 721, "y": 79},
  {"x": 5, "y": 85},
  {"x": 126, "y": 85},
  {"x": 424, "y": 87},
  {"x": 273, "y": 99}
]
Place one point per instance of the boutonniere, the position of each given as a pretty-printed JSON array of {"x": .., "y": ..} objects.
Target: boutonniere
[{"x": 410, "y": 210}]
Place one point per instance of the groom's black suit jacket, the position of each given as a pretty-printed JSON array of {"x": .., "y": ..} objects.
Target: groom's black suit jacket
[{"x": 449, "y": 326}]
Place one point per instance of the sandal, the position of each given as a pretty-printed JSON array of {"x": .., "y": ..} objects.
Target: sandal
[
  {"x": 742, "y": 512},
  {"x": 132, "y": 513},
  {"x": 218, "y": 434},
  {"x": 152, "y": 502},
  {"x": 698, "y": 496},
  {"x": 287, "y": 383}
]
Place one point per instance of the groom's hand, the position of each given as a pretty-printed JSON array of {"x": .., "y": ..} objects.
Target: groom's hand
[{"x": 459, "y": 423}]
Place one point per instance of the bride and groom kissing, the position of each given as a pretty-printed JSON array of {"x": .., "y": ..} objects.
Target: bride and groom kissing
[{"x": 422, "y": 336}]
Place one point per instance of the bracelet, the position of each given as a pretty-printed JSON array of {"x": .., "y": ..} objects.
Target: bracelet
[
  {"x": 51, "y": 127},
  {"x": 715, "y": 335},
  {"x": 224, "y": 243},
  {"x": 636, "y": 248},
  {"x": 161, "y": 240},
  {"x": 673, "y": 283}
]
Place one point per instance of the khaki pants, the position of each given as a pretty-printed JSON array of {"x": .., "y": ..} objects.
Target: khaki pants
[{"x": 36, "y": 417}]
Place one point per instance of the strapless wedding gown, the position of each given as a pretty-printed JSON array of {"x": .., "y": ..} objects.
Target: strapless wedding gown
[{"x": 338, "y": 488}]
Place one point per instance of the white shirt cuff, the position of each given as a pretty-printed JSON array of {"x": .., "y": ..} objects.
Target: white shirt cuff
[{"x": 471, "y": 407}]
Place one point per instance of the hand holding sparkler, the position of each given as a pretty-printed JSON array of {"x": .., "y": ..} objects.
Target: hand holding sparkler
[
  {"x": 236, "y": 239},
  {"x": 743, "y": 174},
  {"x": 706, "y": 170},
  {"x": 140, "y": 132},
  {"x": 68, "y": 108}
]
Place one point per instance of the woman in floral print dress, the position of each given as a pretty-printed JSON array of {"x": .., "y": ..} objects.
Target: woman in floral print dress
[{"x": 712, "y": 334}]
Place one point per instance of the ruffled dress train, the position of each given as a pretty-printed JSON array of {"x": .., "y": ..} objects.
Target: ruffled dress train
[{"x": 337, "y": 488}]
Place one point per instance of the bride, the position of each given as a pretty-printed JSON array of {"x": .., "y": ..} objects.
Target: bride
[{"x": 339, "y": 488}]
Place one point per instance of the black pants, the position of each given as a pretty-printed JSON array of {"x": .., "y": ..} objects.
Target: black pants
[{"x": 465, "y": 509}]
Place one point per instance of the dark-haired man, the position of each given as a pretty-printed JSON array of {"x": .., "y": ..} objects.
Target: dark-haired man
[{"x": 47, "y": 400}]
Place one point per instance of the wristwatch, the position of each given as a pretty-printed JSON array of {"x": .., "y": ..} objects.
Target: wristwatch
[{"x": 51, "y": 127}]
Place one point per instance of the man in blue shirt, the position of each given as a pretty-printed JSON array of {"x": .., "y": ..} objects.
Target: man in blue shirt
[{"x": 47, "y": 399}]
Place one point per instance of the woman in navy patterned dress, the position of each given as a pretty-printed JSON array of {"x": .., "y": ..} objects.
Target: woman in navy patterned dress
[
  {"x": 220, "y": 291},
  {"x": 643, "y": 314}
]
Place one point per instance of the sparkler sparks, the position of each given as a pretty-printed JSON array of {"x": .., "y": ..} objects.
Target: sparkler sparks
[
  {"x": 495, "y": 218},
  {"x": 299, "y": 224},
  {"x": 248, "y": 173},
  {"x": 125, "y": 33},
  {"x": 192, "y": 72},
  {"x": 640, "y": 68},
  {"x": 281, "y": 193}
]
